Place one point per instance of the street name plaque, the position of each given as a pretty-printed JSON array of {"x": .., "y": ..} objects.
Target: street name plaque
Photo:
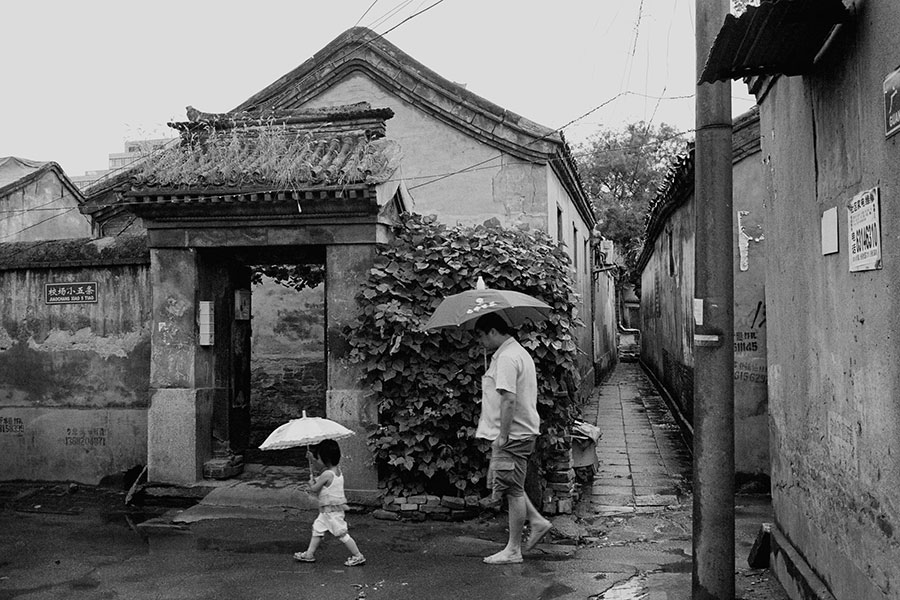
[{"x": 78, "y": 292}]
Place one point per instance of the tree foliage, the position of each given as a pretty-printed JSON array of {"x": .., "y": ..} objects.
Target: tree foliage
[
  {"x": 428, "y": 383},
  {"x": 294, "y": 276},
  {"x": 622, "y": 170}
]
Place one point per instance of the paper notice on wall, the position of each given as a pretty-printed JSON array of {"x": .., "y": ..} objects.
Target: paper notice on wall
[
  {"x": 698, "y": 311},
  {"x": 830, "y": 231},
  {"x": 864, "y": 230}
]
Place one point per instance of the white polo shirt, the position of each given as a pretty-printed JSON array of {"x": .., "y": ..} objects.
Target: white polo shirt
[{"x": 511, "y": 370}]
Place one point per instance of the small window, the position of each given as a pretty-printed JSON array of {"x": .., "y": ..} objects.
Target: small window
[
  {"x": 559, "y": 224},
  {"x": 574, "y": 246},
  {"x": 671, "y": 254}
]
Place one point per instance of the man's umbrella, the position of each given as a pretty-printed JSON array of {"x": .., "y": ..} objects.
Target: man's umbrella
[{"x": 463, "y": 309}]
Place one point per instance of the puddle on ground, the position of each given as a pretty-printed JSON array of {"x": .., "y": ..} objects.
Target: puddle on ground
[{"x": 631, "y": 589}]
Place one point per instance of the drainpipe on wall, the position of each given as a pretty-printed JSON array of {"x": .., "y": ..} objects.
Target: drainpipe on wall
[{"x": 713, "y": 349}]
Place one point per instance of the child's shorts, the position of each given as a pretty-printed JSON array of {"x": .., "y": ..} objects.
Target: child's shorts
[{"x": 330, "y": 521}]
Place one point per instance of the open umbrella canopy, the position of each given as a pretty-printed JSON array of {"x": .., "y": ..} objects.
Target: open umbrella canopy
[
  {"x": 463, "y": 309},
  {"x": 305, "y": 431}
]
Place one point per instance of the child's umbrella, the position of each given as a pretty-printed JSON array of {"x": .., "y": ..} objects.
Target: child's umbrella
[{"x": 305, "y": 431}]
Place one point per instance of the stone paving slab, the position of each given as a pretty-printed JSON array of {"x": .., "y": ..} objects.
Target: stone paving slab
[{"x": 643, "y": 460}]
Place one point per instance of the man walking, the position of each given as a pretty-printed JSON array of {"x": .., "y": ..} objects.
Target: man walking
[{"x": 509, "y": 418}]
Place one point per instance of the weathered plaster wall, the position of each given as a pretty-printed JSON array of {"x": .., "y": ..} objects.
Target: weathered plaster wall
[
  {"x": 605, "y": 332},
  {"x": 73, "y": 378},
  {"x": 667, "y": 291},
  {"x": 833, "y": 357},
  {"x": 568, "y": 227},
  {"x": 667, "y": 284},
  {"x": 751, "y": 417},
  {"x": 21, "y": 223},
  {"x": 501, "y": 186}
]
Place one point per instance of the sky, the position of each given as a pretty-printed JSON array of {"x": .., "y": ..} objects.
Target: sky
[{"x": 78, "y": 79}]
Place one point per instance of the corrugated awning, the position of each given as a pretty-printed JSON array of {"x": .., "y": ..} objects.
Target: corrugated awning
[{"x": 778, "y": 37}]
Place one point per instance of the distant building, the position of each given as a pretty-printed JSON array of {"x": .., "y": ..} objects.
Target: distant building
[
  {"x": 38, "y": 202},
  {"x": 135, "y": 150}
]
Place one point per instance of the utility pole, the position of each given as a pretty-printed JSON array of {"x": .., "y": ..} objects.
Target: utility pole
[{"x": 713, "y": 525}]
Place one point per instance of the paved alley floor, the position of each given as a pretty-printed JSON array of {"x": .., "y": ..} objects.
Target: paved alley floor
[
  {"x": 640, "y": 503},
  {"x": 644, "y": 462}
]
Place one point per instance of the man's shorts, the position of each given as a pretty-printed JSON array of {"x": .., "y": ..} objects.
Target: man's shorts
[
  {"x": 332, "y": 521},
  {"x": 506, "y": 475}
]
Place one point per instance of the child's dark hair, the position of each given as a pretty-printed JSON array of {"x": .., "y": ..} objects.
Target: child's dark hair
[
  {"x": 493, "y": 321},
  {"x": 327, "y": 451}
]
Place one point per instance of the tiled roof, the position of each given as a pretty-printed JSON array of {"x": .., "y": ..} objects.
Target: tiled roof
[
  {"x": 273, "y": 151},
  {"x": 778, "y": 37}
]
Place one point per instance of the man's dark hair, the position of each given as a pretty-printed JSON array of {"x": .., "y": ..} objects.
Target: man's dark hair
[
  {"x": 327, "y": 451},
  {"x": 493, "y": 321}
]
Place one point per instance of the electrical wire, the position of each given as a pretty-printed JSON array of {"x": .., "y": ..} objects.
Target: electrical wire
[
  {"x": 374, "y": 2},
  {"x": 42, "y": 221}
]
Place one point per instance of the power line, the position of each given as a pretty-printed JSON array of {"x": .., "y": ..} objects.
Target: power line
[
  {"x": 374, "y": 2},
  {"x": 65, "y": 212}
]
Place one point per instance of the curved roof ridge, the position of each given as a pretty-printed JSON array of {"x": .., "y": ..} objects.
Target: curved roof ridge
[
  {"x": 30, "y": 171},
  {"x": 362, "y": 48}
]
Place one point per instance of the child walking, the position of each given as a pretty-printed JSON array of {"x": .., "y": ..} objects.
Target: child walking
[{"x": 329, "y": 486}]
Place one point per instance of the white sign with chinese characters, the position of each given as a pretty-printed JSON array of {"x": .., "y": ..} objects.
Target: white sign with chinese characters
[
  {"x": 864, "y": 227},
  {"x": 77, "y": 292}
]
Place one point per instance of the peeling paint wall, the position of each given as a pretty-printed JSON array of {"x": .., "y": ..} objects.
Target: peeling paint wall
[
  {"x": 73, "y": 377},
  {"x": 667, "y": 291},
  {"x": 833, "y": 373},
  {"x": 504, "y": 187}
]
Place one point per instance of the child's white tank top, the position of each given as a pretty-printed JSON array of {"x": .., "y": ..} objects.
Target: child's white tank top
[{"x": 333, "y": 494}]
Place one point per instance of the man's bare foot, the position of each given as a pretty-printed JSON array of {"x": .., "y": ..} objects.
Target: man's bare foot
[
  {"x": 538, "y": 530},
  {"x": 504, "y": 557}
]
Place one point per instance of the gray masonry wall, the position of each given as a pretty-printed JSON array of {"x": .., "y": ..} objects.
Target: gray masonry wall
[
  {"x": 833, "y": 355},
  {"x": 667, "y": 291},
  {"x": 74, "y": 377}
]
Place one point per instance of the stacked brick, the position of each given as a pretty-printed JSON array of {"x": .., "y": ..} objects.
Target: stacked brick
[
  {"x": 560, "y": 494},
  {"x": 435, "y": 508},
  {"x": 560, "y": 491}
]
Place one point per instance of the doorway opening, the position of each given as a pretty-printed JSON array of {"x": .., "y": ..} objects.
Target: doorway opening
[{"x": 287, "y": 348}]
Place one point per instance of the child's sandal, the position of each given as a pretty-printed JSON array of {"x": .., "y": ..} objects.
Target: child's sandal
[
  {"x": 304, "y": 557},
  {"x": 355, "y": 561}
]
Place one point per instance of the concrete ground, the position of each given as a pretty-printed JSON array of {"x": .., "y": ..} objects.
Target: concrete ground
[{"x": 630, "y": 537}]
